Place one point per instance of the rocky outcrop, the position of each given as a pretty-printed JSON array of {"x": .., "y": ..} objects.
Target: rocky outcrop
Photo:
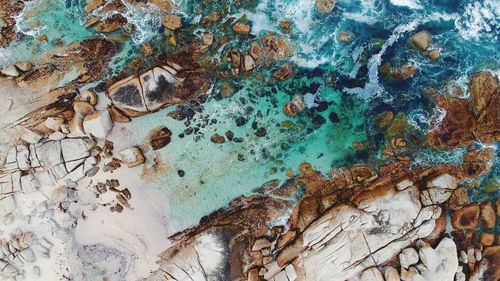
[
  {"x": 342, "y": 228},
  {"x": 472, "y": 119},
  {"x": 159, "y": 87}
]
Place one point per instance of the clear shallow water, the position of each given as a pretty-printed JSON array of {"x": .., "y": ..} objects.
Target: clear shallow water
[{"x": 465, "y": 32}]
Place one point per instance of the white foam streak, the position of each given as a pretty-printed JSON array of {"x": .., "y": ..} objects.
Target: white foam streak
[
  {"x": 407, "y": 3},
  {"x": 479, "y": 20}
]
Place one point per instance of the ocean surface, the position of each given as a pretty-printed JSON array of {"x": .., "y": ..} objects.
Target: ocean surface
[{"x": 338, "y": 114}]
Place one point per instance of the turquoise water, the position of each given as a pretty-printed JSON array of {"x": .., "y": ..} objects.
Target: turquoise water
[{"x": 339, "y": 80}]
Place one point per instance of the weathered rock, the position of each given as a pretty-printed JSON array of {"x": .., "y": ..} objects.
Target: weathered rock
[
  {"x": 118, "y": 116},
  {"x": 241, "y": 28},
  {"x": 433, "y": 54},
  {"x": 345, "y": 36},
  {"x": 488, "y": 216},
  {"x": 248, "y": 63},
  {"x": 487, "y": 239},
  {"x": 172, "y": 22},
  {"x": 458, "y": 198},
  {"x": 407, "y": 257},
  {"x": 54, "y": 123},
  {"x": 216, "y": 138},
  {"x": 98, "y": 124},
  {"x": 29, "y": 136},
  {"x": 466, "y": 218},
  {"x": 421, "y": 40},
  {"x": 160, "y": 138},
  {"x": 165, "y": 5},
  {"x": 10, "y": 70},
  {"x": 110, "y": 24},
  {"x": 88, "y": 96},
  {"x": 132, "y": 156},
  {"x": 489, "y": 267},
  {"x": 325, "y": 6},
  {"x": 284, "y": 73},
  {"x": 468, "y": 120},
  {"x": 24, "y": 66},
  {"x": 440, "y": 263}
]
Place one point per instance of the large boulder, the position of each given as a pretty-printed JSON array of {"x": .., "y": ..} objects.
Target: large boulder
[
  {"x": 325, "y": 6},
  {"x": 421, "y": 40},
  {"x": 159, "y": 87}
]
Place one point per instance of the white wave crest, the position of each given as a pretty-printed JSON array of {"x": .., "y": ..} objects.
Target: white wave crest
[
  {"x": 407, "y": 3},
  {"x": 479, "y": 20}
]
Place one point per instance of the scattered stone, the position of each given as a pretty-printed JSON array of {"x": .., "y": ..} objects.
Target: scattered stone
[
  {"x": 208, "y": 39},
  {"x": 216, "y": 138},
  {"x": 458, "y": 198},
  {"x": 132, "y": 156},
  {"x": 285, "y": 24},
  {"x": 241, "y": 28},
  {"x": 345, "y": 36},
  {"x": 290, "y": 109},
  {"x": 325, "y": 6},
  {"x": 181, "y": 173},
  {"x": 248, "y": 63},
  {"x": 466, "y": 218},
  {"x": 160, "y": 138},
  {"x": 229, "y": 135},
  {"x": 261, "y": 132},
  {"x": 284, "y": 73},
  {"x": 172, "y": 22},
  {"x": 98, "y": 124},
  {"x": 260, "y": 244},
  {"x": 42, "y": 38},
  {"x": 433, "y": 54},
  {"x": 147, "y": 49},
  {"x": 240, "y": 121},
  {"x": 421, "y": 40},
  {"x": 488, "y": 216}
]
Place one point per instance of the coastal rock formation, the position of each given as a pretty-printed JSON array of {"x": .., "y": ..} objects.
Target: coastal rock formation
[
  {"x": 326, "y": 237},
  {"x": 161, "y": 86},
  {"x": 473, "y": 119}
]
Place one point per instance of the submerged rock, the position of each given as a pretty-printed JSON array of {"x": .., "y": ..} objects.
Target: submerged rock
[
  {"x": 325, "y": 6},
  {"x": 172, "y": 22}
]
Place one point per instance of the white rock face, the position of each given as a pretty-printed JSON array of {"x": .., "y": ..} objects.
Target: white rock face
[
  {"x": 408, "y": 256},
  {"x": 441, "y": 262},
  {"x": 30, "y": 136},
  {"x": 98, "y": 124},
  {"x": 438, "y": 190}
]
